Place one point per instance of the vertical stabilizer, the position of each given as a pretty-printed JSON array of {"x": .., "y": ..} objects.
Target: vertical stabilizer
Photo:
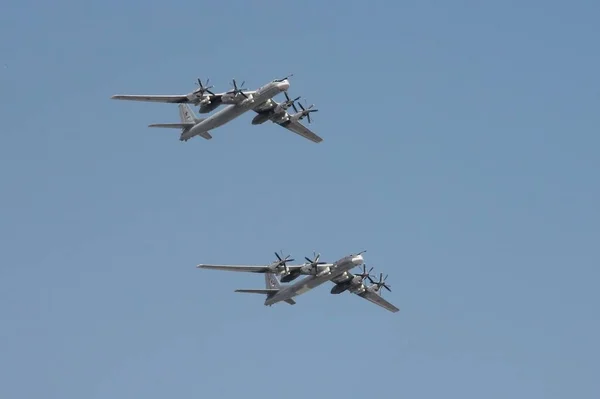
[
  {"x": 186, "y": 114},
  {"x": 271, "y": 281}
]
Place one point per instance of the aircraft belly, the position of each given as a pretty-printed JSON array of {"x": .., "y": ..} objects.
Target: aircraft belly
[
  {"x": 302, "y": 290},
  {"x": 221, "y": 118},
  {"x": 308, "y": 284}
]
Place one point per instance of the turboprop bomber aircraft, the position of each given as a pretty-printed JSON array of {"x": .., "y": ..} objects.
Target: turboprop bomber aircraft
[
  {"x": 239, "y": 101},
  {"x": 317, "y": 273}
]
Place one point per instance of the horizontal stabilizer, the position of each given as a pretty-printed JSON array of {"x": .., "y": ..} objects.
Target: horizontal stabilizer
[
  {"x": 180, "y": 125},
  {"x": 205, "y": 135},
  {"x": 290, "y": 301},
  {"x": 263, "y": 291}
]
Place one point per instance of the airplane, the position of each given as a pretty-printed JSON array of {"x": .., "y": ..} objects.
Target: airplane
[
  {"x": 239, "y": 100},
  {"x": 318, "y": 273}
]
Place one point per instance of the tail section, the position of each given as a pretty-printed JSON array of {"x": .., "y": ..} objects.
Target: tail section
[
  {"x": 273, "y": 286},
  {"x": 271, "y": 281},
  {"x": 188, "y": 121},
  {"x": 187, "y": 115}
]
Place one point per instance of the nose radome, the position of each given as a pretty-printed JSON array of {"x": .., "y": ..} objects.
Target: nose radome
[
  {"x": 284, "y": 85},
  {"x": 357, "y": 260}
]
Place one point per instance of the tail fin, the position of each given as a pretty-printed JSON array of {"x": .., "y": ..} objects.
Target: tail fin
[
  {"x": 187, "y": 117},
  {"x": 186, "y": 114},
  {"x": 272, "y": 287},
  {"x": 188, "y": 121},
  {"x": 271, "y": 281}
]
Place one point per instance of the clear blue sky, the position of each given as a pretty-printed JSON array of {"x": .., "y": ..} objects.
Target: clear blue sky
[{"x": 460, "y": 149}]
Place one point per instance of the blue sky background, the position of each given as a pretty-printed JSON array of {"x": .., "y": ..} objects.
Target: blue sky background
[{"x": 460, "y": 149}]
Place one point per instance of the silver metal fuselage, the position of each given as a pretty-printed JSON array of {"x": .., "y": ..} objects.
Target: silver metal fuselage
[
  {"x": 231, "y": 112},
  {"x": 310, "y": 282}
]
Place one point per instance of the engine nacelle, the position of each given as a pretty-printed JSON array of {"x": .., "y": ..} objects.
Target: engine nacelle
[
  {"x": 307, "y": 269},
  {"x": 206, "y": 108},
  {"x": 357, "y": 288},
  {"x": 289, "y": 277},
  {"x": 260, "y": 118},
  {"x": 339, "y": 288},
  {"x": 295, "y": 117},
  {"x": 357, "y": 281},
  {"x": 279, "y": 109}
]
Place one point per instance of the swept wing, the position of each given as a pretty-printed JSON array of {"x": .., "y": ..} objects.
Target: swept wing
[
  {"x": 377, "y": 299},
  {"x": 246, "y": 268},
  {"x": 290, "y": 124},
  {"x": 190, "y": 98},
  {"x": 301, "y": 130},
  {"x": 175, "y": 99},
  {"x": 369, "y": 294}
]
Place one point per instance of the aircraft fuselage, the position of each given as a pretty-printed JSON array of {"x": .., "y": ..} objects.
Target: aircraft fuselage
[
  {"x": 310, "y": 282},
  {"x": 231, "y": 112}
]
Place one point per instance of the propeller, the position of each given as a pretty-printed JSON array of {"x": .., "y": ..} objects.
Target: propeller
[
  {"x": 382, "y": 283},
  {"x": 282, "y": 79},
  {"x": 306, "y": 111},
  {"x": 366, "y": 274},
  {"x": 315, "y": 262},
  {"x": 283, "y": 262},
  {"x": 204, "y": 88},
  {"x": 290, "y": 102},
  {"x": 236, "y": 90}
]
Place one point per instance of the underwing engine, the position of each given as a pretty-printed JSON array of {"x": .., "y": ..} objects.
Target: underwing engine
[
  {"x": 291, "y": 276},
  {"x": 339, "y": 288}
]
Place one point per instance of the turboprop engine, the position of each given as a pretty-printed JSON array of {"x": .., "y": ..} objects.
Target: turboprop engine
[
  {"x": 304, "y": 113},
  {"x": 208, "y": 106},
  {"x": 281, "y": 108},
  {"x": 354, "y": 284}
]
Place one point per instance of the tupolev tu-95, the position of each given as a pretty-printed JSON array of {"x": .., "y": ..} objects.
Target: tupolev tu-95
[
  {"x": 238, "y": 101},
  {"x": 317, "y": 273}
]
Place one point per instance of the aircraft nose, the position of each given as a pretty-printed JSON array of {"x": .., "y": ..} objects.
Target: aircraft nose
[
  {"x": 357, "y": 260},
  {"x": 283, "y": 86}
]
